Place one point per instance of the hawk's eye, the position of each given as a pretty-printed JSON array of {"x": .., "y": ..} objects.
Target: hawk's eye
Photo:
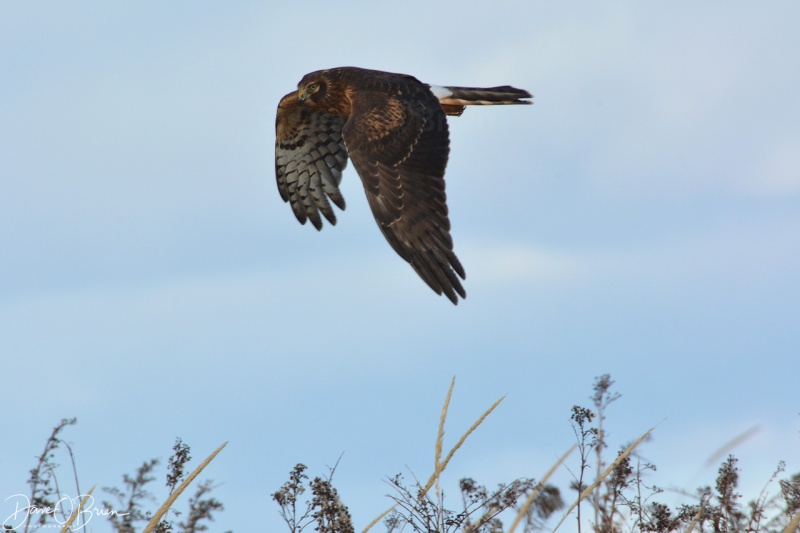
[{"x": 314, "y": 87}]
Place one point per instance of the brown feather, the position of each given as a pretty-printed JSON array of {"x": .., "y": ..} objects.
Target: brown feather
[
  {"x": 395, "y": 131},
  {"x": 309, "y": 159}
]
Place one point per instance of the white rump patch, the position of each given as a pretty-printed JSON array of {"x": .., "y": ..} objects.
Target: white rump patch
[{"x": 440, "y": 92}]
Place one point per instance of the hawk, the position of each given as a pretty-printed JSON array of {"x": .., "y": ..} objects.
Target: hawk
[{"x": 394, "y": 129}]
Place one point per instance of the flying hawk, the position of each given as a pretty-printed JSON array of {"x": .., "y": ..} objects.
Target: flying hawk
[{"x": 394, "y": 128}]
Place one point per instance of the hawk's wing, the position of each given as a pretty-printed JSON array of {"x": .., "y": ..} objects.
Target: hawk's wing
[
  {"x": 309, "y": 158},
  {"x": 398, "y": 141}
]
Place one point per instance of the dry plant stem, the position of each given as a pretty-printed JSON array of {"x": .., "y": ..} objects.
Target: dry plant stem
[
  {"x": 605, "y": 474},
  {"x": 77, "y": 511},
  {"x": 524, "y": 509},
  {"x": 762, "y": 502},
  {"x": 731, "y": 444},
  {"x": 696, "y": 518},
  {"x": 174, "y": 496},
  {"x": 440, "y": 440},
  {"x": 599, "y": 452},
  {"x": 450, "y": 454},
  {"x": 794, "y": 524},
  {"x": 439, "y": 466},
  {"x": 36, "y": 472},
  {"x": 442, "y": 418},
  {"x": 379, "y": 518},
  {"x": 75, "y": 474},
  {"x": 639, "y": 492}
]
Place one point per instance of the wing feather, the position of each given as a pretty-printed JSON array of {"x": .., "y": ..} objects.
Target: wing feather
[
  {"x": 310, "y": 156},
  {"x": 399, "y": 142}
]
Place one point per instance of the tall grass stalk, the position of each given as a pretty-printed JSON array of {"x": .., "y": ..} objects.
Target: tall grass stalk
[
  {"x": 174, "y": 496},
  {"x": 527, "y": 505},
  {"x": 588, "y": 490},
  {"x": 76, "y": 513}
]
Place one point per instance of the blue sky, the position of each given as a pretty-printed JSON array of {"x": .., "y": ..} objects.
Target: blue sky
[{"x": 641, "y": 219}]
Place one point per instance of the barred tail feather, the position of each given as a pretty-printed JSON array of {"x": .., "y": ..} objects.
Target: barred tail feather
[
  {"x": 454, "y": 99},
  {"x": 486, "y": 96}
]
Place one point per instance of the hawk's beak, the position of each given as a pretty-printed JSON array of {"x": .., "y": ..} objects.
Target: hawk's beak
[{"x": 301, "y": 95}]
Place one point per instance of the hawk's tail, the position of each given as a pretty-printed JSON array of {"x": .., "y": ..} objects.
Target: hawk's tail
[{"x": 454, "y": 99}]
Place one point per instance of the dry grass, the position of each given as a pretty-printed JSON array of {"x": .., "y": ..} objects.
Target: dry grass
[
  {"x": 525, "y": 506},
  {"x": 77, "y": 511},
  {"x": 618, "y": 492},
  {"x": 588, "y": 490},
  {"x": 699, "y": 513},
  {"x": 379, "y": 518},
  {"x": 726, "y": 448},
  {"x": 178, "y": 490},
  {"x": 793, "y": 525},
  {"x": 440, "y": 465},
  {"x": 48, "y": 501}
]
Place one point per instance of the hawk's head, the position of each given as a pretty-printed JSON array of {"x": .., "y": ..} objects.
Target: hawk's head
[
  {"x": 324, "y": 91},
  {"x": 305, "y": 91}
]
